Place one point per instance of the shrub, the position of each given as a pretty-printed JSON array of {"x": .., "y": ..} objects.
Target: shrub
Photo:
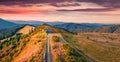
[
  {"x": 58, "y": 58},
  {"x": 71, "y": 54},
  {"x": 32, "y": 58},
  {"x": 54, "y": 47},
  {"x": 39, "y": 40},
  {"x": 11, "y": 47},
  {"x": 70, "y": 59},
  {"x": 55, "y": 39},
  {"x": 65, "y": 46}
]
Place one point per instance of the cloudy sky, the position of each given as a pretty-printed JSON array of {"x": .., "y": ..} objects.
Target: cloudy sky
[{"x": 78, "y": 11}]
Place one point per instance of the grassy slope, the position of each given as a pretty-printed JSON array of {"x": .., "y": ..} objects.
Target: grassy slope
[
  {"x": 26, "y": 29},
  {"x": 100, "y": 50},
  {"x": 5, "y": 33},
  {"x": 35, "y": 47},
  {"x": 11, "y": 48},
  {"x": 101, "y": 47}
]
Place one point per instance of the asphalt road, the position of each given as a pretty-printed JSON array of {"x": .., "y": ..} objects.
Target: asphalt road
[
  {"x": 47, "y": 51},
  {"x": 48, "y": 54}
]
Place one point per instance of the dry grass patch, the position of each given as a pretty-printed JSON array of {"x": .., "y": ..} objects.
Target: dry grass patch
[
  {"x": 57, "y": 50},
  {"x": 34, "y": 49},
  {"x": 26, "y": 29},
  {"x": 102, "y": 47}
]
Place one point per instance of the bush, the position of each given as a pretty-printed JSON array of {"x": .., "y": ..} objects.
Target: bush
[
  {"x": 32, "y": 58},
  {"x": 58, "y": 59},
  {"x": 71, "y": 54},
  {"x": 70, "y": 59},
  {"x": 39, "y": 40},
  {"x": 55, "y": 39},
  {"x": 11, "y": 47},
  {"x": 65, "y": 46},
  {"x": 54, "y": 47}
]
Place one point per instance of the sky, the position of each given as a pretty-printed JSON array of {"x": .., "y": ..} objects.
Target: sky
[{"x": 77, "y": 11}]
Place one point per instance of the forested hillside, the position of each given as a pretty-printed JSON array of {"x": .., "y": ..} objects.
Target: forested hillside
[
  {"x": 5, "y": 33},
  {"x": 6, "y": 24}
]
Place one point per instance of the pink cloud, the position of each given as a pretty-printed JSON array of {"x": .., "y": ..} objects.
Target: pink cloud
[{"x": 25, "y": 11}]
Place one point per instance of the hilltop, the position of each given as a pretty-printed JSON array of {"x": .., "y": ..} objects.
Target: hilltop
[{"x": 26, "y": 29}]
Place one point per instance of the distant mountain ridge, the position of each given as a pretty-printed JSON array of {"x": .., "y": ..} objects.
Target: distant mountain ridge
[
  {"x": 108, "y": 29},
  {"x": 6, "y": 24},
  {"x": 82, "y": 27},
  {"x": 72, "y": 27},
  {"x": 87, "y": 27},
  {"x": 37, "y": 23}
]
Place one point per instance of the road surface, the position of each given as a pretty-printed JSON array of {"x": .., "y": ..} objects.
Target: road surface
[{"x": 48, "y": 54}]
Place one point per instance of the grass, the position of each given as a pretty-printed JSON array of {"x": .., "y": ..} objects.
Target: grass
[
  {"x": 72, "y": 55},
  {"x": 58, "y": 58},
  {"x": 11, "y": 48},
  {"x": 38, "y": 40},
  {"x": 98, "y": 49},
  {"x": 70, "y": 38},
  {"x": 27, "y": 29},
  {"x": 101, "y": 47}
]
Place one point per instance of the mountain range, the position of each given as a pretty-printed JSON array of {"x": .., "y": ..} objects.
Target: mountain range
[
  {"x": 108, "y": 29},
  {"x": 87, "y": 27},
  {"x": 37, "y": 23},
  {"x": 6, "y": 24},
  {"x": 72, "y": 27}
]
